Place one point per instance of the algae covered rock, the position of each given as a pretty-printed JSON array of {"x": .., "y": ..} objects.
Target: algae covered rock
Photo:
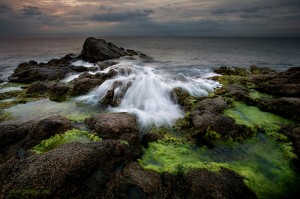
[
  {"x": 24, "y": 136},
  {"x": 64, "y": 171},
  {"x": 118, "y": 126}
]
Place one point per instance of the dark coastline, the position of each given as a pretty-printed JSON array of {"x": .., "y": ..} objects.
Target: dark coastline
[{"x": 107, "y": 157}]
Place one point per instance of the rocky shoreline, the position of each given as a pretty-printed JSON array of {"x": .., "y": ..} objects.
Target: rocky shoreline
[{"x": 105, "y": 156}]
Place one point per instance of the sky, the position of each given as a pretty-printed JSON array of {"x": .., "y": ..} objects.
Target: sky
[{"x": 206, "y": 18}]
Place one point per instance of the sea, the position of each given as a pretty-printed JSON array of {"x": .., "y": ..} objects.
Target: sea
[{"x": 145, "y": 89}]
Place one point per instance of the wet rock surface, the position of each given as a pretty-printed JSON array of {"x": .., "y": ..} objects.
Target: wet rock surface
[
  {"x": 118, "y": 126},
  {"x": 24, "y": 136}
]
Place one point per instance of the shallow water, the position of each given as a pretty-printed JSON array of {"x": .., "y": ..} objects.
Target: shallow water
[{"x": 45, "y": 108}]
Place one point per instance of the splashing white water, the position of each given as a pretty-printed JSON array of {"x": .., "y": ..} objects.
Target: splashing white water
[{"x": 147, "y": 94}]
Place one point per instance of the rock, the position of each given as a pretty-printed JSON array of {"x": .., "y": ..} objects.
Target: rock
[
  {"x": 29, "y": 134},
  {"x": 115, "y": 93},
  {"x": 150, "y": 137},
  {"x": 58, "y": 92},
  {"x": 118, "y": 126},
  {"x": 105, "y": 64},
  {"x": 79, "y": 69},
  {"x": 255, "y": 70},
  {"x": 135, "y": 182},
  {"x": 293, "y": 133},
  {"x": 286, "y": 107},
  {"x": 214, "y": 105},
  {"x": 95, "y": 50},
  {"x": 131, "y": 52},
  {"x": 179, "y": 95},
  {"x": 37, "y": 88},
  {"x": 224, "y": 70},
  {"x": 28, "y": 73},
  {"x": 82, "y": 86},
  {"x": 282, "y": 90},
  {"x": 238, "y": 92},
  {"x": 64, "y": 171},
  {"x": 286, "y": 84},
  {"x": 201, "y": 183}
]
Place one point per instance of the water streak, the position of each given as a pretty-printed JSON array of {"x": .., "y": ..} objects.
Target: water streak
[{"x": 146, "y": 92}]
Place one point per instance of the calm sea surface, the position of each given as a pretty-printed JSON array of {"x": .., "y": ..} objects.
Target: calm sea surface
[{"x": 171, "y": 53}]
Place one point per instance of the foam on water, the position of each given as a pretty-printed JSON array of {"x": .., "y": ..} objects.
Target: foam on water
[
  {"x": 146, "y": 92},
  {"x": 83, "y": 63}
]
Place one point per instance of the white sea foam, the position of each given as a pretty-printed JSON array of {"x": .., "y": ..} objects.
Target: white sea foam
[
  {"x": 83, "y": 63},
  {"x": 146, "y": 93},
  {"x": 70, "y": 78}
]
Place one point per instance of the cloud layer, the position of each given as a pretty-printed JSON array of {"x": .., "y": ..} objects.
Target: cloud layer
[{"x": 257, "y": 18}]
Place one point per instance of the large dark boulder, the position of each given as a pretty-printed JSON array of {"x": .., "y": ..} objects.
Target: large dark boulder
[
  {"x": 118, "y": 126},
  {"x": 285, "y": 106},
  {"x": 63, "y": 171},
  {"x": 84, "y": 85},
  {"x": 31, "y": 72},
  {"x": 135, "y": 182},
  {"x": 95, "y": 50},
  {"x": 24, "y": 136}
]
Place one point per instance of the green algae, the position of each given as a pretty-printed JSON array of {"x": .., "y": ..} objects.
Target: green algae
[
  {"x": 256, "y": 95},
  {"x": 252, "y": 116},
  {"x": 4, "y": 115},
  {"x": 74, "y": 135},
  {"x": 259, "y": 160},
  {"x": 263, "y": 161}
]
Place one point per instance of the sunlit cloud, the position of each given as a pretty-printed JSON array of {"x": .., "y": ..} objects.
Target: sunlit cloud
[{"x": 245, "y": 18}]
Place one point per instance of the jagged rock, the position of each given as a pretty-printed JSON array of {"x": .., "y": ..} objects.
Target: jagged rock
[
  {"x": 30, "y": 72},
  {"x": 37, "y": 88},
  {"x": 118, "y": 126},
  {"x": 293, "y": 134},
  {"x": 82, "y": 86},
  {"x": 65, "y": 170},
  {"x": 25, "y": 136},
  {"x": 213, "y": 105},
  {"x": 95, "y": 50},
  {"x": 150, "y": 137},
  {"x": 287, "y": 107},
  {"x": 286, "y": 84},
  {"x": 105, "y": 64},
  {"x": 135, "y": 182},
  {"x": 58, "y": 92}
]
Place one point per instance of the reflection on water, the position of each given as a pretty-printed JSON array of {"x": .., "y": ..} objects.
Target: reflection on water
[{"x": 45, "y": 108}]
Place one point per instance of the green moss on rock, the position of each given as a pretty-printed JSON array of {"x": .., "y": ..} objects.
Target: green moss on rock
[{"x": 74, "y": 135}]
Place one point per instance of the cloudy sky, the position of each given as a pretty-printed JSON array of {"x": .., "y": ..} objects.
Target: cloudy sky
[{"x": 267, "y": 18}]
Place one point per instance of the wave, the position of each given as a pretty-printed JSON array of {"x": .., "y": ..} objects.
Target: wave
[{"x": 145, "y": 92}]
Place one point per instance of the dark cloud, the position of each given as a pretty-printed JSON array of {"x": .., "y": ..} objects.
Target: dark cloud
[
  {"x": 224, "y": 11},
  {"x": 221, "y": 11},
  {"x": 121, "y": 16},
  {"x": 248, "y": 16},
  {"x": 106, "y": 8},
  {"x": 31, "y": 11},
  {"x": 4, "y": 8}
]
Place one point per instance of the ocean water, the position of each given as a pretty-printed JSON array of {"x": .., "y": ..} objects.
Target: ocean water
[
  {"x": 175, "y": 53},
  {"x": 143, "y": 87}
]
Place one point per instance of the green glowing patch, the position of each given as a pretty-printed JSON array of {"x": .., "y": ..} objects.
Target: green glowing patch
[
  {"x": 74, "y": 135},
  {"x": 265, "y": 167},
  {"x": 253, "y": 117},
  {"x": 255, "y": 95}
]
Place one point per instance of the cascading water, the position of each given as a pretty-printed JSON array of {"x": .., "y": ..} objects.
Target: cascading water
[{"x": 146, "y": 93}]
